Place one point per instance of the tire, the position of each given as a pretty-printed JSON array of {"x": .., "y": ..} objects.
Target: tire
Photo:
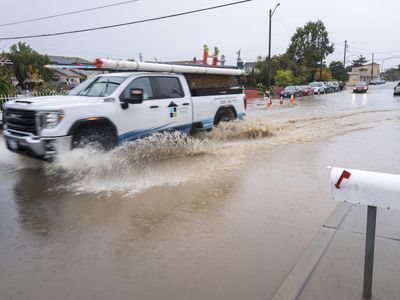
[
  {"x": 100, "y": 137},
  {"x": 224, "y": 115}
]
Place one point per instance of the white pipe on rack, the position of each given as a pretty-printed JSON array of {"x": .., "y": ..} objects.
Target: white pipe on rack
[{"x": 125, "y": 65}]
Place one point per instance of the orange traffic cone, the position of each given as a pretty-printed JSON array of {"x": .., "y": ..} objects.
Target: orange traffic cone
[
  {"x": 269, "y": 103},
  {"x": 281, "y": 101},
  {"x": 291, "y": 100}
]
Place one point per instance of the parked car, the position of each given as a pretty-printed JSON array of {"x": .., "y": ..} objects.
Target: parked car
[
  {"x": 360, "y": 87},
  {"x": 397, "y": 89},
  {"x": 332, "y": 86},
  {"x": 319, "y": 87},
  {"x": 377, "y": 81},
  {"x": 307, "y": 90},
  {"x": 291, "y": 90}
]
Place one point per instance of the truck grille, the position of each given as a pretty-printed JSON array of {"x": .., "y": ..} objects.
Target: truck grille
[{"x": 20, "y": 120}]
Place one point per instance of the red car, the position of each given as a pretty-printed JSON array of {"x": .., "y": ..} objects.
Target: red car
[
  {"x": 307, "y": 90},
  {"x": 360, "y": 87}
]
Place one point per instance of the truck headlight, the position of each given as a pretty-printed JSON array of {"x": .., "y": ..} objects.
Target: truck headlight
[{"x": 49, "y": 119}]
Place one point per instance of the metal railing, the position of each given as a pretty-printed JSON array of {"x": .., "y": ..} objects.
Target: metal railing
[{"x": 5, "y": 98}]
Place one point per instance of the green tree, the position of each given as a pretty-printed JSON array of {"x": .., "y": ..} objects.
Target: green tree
[
  {"x": 358, "y": 62},
  {"x": 278, "y": 62},
  {"x": 392, "y": 74},
  {"x": 6, "y": 86},
  {"x": 338, "y": 71},
  {"x": 25, "y": 58},
  {"x": 326, "y": 75},
  {"x": 284, "y": 78},
  {"x": 306, "y": 46}
]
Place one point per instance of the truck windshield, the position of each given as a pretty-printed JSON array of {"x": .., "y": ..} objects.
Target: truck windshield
[{"x": 101, "y": 86}]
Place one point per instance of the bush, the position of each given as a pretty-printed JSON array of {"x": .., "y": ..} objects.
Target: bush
[
  {"x": 326, "y": 75},
  {"x": 6, "y": 86},
  {"x": 284, "y": 78}
]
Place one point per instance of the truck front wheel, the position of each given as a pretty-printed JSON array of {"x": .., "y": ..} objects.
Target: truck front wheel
[{"x": 98, "y": 137}]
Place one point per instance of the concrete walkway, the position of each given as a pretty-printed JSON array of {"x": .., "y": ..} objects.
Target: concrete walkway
[{"x": 333, "y": 265}]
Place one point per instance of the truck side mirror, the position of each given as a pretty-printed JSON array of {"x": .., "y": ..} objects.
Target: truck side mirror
[{"x": 135, "y": 96}]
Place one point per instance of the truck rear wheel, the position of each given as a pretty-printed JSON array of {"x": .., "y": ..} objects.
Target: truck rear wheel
[
  {"x": 224, "y": 115},
  {"x": 98, "y": 137}
]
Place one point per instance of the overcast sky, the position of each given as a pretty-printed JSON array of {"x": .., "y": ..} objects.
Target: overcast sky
[{"x": 369, "y": 26}]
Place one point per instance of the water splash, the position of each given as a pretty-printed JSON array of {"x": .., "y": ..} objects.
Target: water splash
[
  {"x": 251, "y": 128},
  {"x": 175, "y": 158},
  {"x": 133, "y": 166}
]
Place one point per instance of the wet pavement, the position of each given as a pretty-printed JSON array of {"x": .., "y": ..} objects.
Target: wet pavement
[{"x": 206, "y": 218}]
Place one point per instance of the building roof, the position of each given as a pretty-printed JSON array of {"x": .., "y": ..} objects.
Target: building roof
[
  {"x": 5, "y": 61},
  {"x": 67, "y": 60},
  {"x": 250, "y": 65},
  {"x": 376, "y": 64},
  {"x": 68, "y": 73}
]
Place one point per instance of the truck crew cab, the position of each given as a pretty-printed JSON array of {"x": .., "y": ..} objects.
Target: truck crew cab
[{"x": 113, "y": 108}]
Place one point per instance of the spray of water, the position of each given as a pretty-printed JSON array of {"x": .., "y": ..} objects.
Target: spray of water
[
  {"x": 175, "y": 158},
  {"x": 252, "y": 128}
]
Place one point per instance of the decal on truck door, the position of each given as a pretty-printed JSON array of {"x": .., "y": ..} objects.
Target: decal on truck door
[{"x": 173, "y": 112}]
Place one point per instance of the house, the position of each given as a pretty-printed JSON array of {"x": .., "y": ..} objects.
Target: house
[
  {"x": 67, "y": 76},
  {"x": 4, "y": 61},
  {"x": 67, "y": 60},
  {"x": 364, "y": 73},
  {"x": 249, "y": 66}
]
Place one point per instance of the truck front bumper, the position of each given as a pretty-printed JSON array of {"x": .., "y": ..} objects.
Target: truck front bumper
[{"x": 37, "y": 147}]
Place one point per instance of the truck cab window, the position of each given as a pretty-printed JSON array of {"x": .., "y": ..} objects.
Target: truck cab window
[
  {"x": 140, "y": 83},
  {"x": 100, "y": 86},
  {"x": 169, "y": 87}
]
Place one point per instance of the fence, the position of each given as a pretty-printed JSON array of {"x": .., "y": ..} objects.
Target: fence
[{"x": 5, "y": 98}]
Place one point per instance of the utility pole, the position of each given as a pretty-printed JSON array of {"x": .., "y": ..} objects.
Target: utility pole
[
  {"x": 140, "y": 57},
  {"x": 372, "y": 67},
  {"x": 344, "y": 57},
  {"x": 269, "y": 51},
  {"x": 271, "y": 12},
  {"x": 322, "y": 54}
]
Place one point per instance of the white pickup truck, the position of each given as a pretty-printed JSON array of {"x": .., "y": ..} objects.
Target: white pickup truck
[{"x": 112, "y": 108}]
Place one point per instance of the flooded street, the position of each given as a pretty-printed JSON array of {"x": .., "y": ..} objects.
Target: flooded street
[{"x": 221, "y": 215}]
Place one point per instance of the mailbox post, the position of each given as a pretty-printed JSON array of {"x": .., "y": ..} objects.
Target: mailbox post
[
  {"x": 369, "y": 251},
  {"x": 372, "y": 189}
]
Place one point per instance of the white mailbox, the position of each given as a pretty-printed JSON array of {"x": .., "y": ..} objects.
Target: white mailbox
[
  {"x": 364, "y": 187},
  {"x": 372, "y": 189}
]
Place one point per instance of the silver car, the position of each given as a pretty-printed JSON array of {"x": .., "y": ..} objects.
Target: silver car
[
  {"x": 319, "y": 87},
  {"x": 397, "y": 89},
  {"x": 332, "y": 86}
]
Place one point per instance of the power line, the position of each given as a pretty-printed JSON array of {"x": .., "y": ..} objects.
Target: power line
[
  {"x": 124, "y": 24},
  {"x": 284, "y": 24},
  {"x": 67, "y": 13},
  {"x": 371, "y": 51}
]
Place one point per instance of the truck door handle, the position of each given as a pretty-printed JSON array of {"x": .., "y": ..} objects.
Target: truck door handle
[
  {"x": 186, "y": 103},
  {"x": 154, "y": 106}
]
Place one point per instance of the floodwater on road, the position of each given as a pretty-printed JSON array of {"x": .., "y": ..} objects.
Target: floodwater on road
[{"x": 222, "y": 215}]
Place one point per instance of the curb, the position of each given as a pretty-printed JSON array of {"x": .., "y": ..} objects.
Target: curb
[{"x": 302, "y": 271}]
